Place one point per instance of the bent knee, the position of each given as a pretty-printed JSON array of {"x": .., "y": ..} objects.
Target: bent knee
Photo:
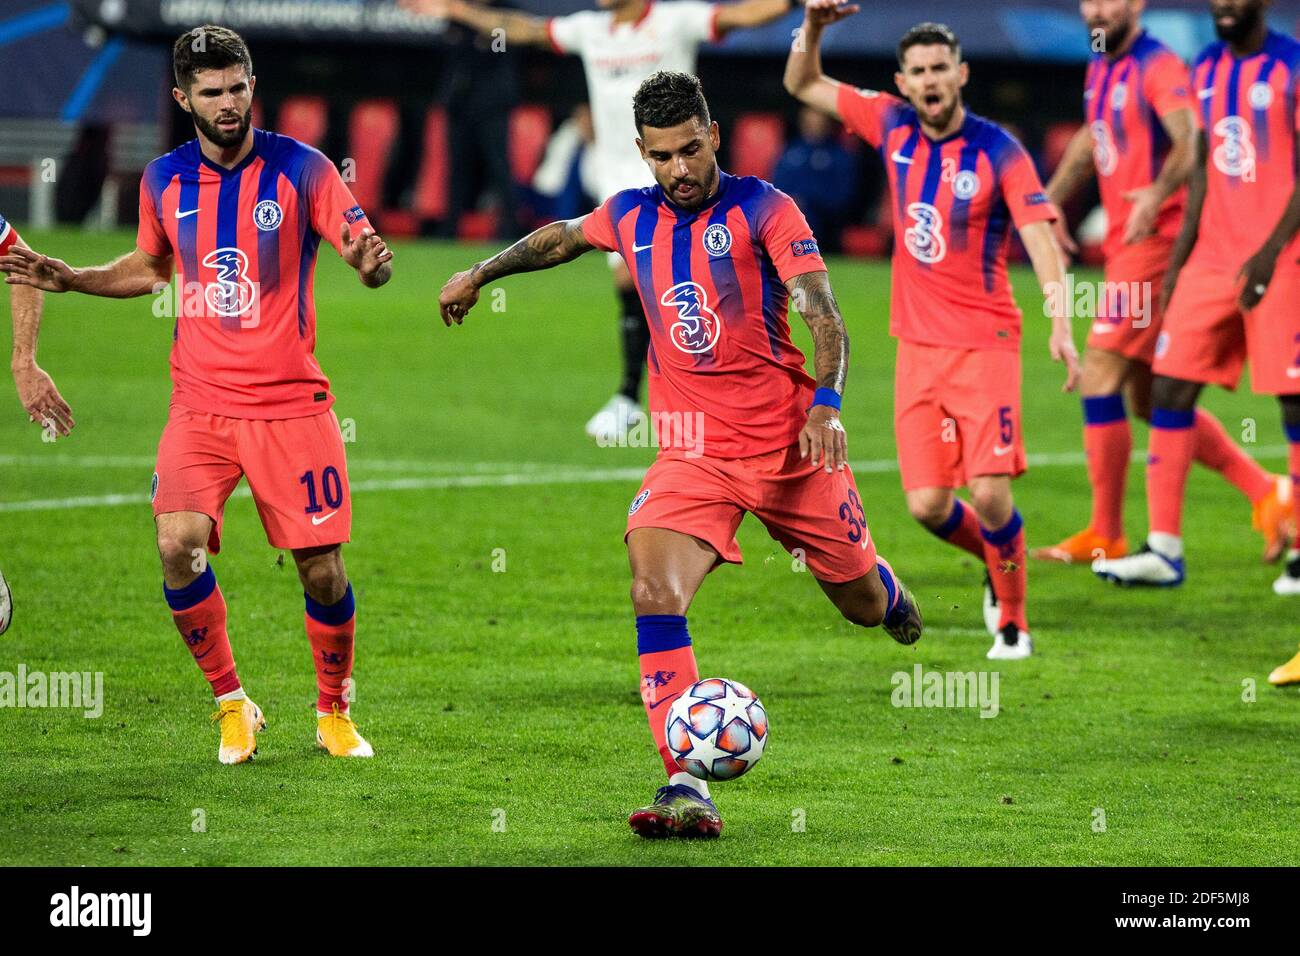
[
  {"x": 931, "y": 510},
  {"x": 656, "y": 595}
]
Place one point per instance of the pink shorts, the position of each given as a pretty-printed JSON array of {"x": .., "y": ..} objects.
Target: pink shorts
[
  {"x": 296, "y": 469},
  {"x": 814, "y": 515},
  {"x": 1128, "y": 316}
]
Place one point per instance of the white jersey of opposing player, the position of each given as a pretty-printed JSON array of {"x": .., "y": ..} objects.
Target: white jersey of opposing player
[{"x": 617, "y": 58}]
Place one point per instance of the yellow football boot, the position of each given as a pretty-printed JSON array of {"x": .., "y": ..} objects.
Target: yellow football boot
[
  {"x": 337, "y": 733},
  {"x": 1288, "y": 673},
  {"x": 1083, "y": 548},
  {"x": 240, "y": 720},
  {"x": 1273, "y": 518}
]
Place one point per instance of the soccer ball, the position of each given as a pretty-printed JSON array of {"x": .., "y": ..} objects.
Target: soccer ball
[{"x": 716, "y": 729}]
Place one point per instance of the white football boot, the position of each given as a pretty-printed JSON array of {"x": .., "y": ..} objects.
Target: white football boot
[
  {"x": 618, "y": 416},
  {"x": 6, "y": 604},
  {"x": 1159, "y": 564},
  {"x": 1011, "y": 644},
  {"x": 1288, "y": 585},
  {"x": 992, "y": 613}
]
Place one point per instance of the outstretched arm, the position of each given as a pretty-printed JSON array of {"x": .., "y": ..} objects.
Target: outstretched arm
[
  {"x": 1045, "y": 255},
  {"x": 750, "y": 13},
  {"x": 1187, "y": 235},
  {"x": 823, "y": 440},
  {"x": 804, "y": 79},
  {"x": 1075, "y": 168},
  {"x": 36, "y": 390},
  {"x": 521, "y": 28},
  {"x": 136, "y": 273},
  {"x": 551, "y": 245},
  {"x": 1180, "y": 126}
]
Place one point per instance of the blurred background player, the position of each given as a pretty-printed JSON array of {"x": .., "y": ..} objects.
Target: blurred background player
[
  {"x": 1142, "y": 169},
  {"x": 239, "y": 212},
  {"x": 37, "y": 392},
  {"x": 1234, "y": 277},
  {"x": 820, "y": 175},
  {"x": 769, "y": 437},
  {"x": 953, "y": 176},
  {"x": 620, "y": 44}
]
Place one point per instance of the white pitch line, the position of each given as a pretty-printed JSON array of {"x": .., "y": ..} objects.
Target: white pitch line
[{"x": 527, "y": 474}]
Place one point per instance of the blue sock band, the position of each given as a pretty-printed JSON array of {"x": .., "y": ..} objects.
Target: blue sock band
[
  {"x": 1006, "y": 532},
  {"x": 1171, "y": 419},
  {"x": 891, "y": 586},
  {"x": 953, "y": 521},
  {"x": 182, "y": 599},
  {"x": 661, "y": 632},
  {"x": 1292, "y": 433},
  {"x": 332, "y": 614},
  {"x": 1104, "y": 409}
]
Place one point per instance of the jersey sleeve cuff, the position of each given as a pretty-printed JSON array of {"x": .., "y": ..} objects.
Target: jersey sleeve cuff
[
  {"x": 715, "y": 34},
  {"x": 550, "y": 35}
]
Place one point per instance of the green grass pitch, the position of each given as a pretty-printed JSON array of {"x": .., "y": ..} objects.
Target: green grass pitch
[{"x": 503, "y": 704}]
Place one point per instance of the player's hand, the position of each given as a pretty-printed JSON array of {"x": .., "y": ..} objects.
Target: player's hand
[
  {"x": 24, "y": 266},
  {"x": 822, "y": 13},
  {"x": 366, "y": 253},
  {"x": 41, "y": 399},
  {"x": 457, "y": 298},
  {"x": 1063, "y": 349},
  {"x": 1061, "y": 230},
  {"x": 1257, "y": 273},
  {"x": 1142, "y": 217},
  {"x": 823, "y": 439}
]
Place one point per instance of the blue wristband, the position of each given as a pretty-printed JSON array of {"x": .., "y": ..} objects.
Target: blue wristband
[{"x": 828, "y": 397}]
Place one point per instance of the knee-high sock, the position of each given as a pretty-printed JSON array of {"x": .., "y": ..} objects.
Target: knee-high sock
[
  {"x": 1108, "y": 443},
  {"x": 635, "y": 333},
  {"x": 663, "y": 645},
  {"x": 332, "y": 629},
  {"x": 1004, "y": 554},
  {"x": 962, "y": 529},
  {"x": 199, "y": 613},
  {"x": 1214, "y": 449},
  {"x": 1169, "y": 458},
  {"x": 1293, "y": 439}
]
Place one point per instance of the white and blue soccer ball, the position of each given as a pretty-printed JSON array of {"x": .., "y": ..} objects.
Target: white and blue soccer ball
[{"x": 716, "y": 729}]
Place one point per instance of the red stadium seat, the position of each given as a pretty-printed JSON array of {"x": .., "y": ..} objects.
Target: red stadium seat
[
  {"x": 530, "y": 128},
  {"x": 1055, "y": 141},
  {"x": 304, "y": 118},
  {"x": 756, "y": 143},
  {"x": 372, "y": 130}
]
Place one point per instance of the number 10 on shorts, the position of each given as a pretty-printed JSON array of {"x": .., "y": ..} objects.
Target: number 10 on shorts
[{"x": 331, "y": 486}]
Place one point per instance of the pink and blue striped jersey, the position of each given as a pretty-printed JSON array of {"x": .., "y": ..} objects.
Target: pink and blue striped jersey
[
  {"x": 1123, "y": 100},
  {"x": 8, "y": 236},
  {"x": 955, "y": 201},
  {"x": 712, "y": 282},
  {"x": 244, "y": 244},
  {"x": 1251, "y": 115}
]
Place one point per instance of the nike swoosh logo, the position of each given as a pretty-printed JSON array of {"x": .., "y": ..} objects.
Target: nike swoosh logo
[
  {"x": 182, "y": 215},
  {"x": 1001, "y": 450},
  {"x": 657, "y": 703},
  {"x": 317, "y": 519},
  {"x": 1205, "y": 94},
  {"x": 1102, "y": 328},
  {"x": 636, "y": 248},
  {"x": 1293, "y": 373},
  {"x": 900, "y": 158}
]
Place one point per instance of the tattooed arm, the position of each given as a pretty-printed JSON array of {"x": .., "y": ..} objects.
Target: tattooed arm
[
  {"x": 823, "y": 440},
  {"x": 551, "y": 245}
]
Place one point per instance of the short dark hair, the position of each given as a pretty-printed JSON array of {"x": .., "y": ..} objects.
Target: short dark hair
[
  {"x": 208, "y": 47},
  {"x": 929, "y": 34},
  {"x": 668, "y": 99}
]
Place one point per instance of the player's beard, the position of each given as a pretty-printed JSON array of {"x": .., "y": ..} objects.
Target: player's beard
[
  {"x": 1116, "y": 35},
  {"x": 704, "y": 189},
  {"x": 1245, "y": 25},
  {"x": 214, "y": 133}
]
